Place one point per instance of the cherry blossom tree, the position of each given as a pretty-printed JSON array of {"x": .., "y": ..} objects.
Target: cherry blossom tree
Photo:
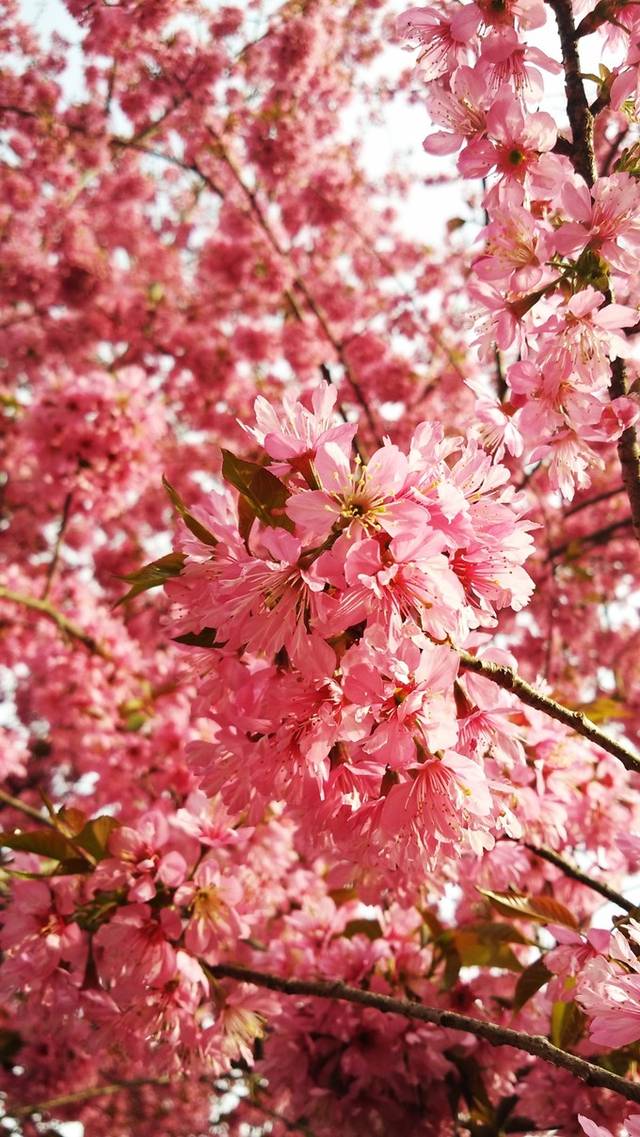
[{"x": 319, "y": 604}]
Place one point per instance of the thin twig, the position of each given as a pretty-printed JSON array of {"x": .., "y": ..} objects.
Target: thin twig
[
  {"x": 135, "y": 143},
  {"x": 274, "y": 1115},
  {"x": 577, "y": 874},
  {"x": 119, "y": 143},
  {"x": 536, "y": 1045},
  {"x": 28, "y": 810},
  {"x": 502, "y": 389},
  {"x": 509, "y": 680},
  {"x": 298, "y": 282},
  {"x": 598, "y": 537},
  {"x": 53, "y": 564},
  {"x": 603, "y": 496},
  {"x": 61, "y": 621},
  {"x": 83, "y": 1095}
]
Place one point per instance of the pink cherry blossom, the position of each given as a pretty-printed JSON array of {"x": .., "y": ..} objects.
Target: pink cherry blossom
[
  {"x": 319, "y": 603},
  {"x": 443, "y": 43}
]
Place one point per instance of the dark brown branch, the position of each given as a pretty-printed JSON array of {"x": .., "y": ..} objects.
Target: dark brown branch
[
  {"x": 536, "y": 1045},
  {"x": 509, "y": 680},
  {"x": 53, "y": 564},
  {"x": 580, "y": 117},
  {"x": 583, "y": 158},
  {"x": 604, "y": 496},
  {"x": 581, "y": 877},
  {"x": 628, "y": 448},
  {"x": 598, "y": 537},
  {"x": 612, "y": 152},
  {"x": 118, "y": 143},
  {"x": 502, "y": 390}
]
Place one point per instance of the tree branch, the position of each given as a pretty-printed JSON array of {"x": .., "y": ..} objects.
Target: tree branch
[
  {"x": 628, "y": 448},
  {"x": 509, "y": 680},
  {"x": 604, "y": 495},
  {"x": 53, "y": 564},
  {"x": 598, "y": 537},
  {"x": 536, "y": 1045},
  {"x": 83, "y": 1095},
  {"x": 299, "y": 282},
  {"x": 583, "y": 158},
  {"x": 577, "y": 874},
  {"x": 580, "y": 117},
  {"x": 28, "y": 810},
  {"x": 58, "y": 618}
]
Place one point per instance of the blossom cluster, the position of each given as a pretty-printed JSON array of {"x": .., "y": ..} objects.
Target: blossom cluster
[
  {"x": 559, "y": 241},
  {"x": 339, "y": 590},
  {"x": 121, "y": 943},
  {"x": 295, "y": 759}
]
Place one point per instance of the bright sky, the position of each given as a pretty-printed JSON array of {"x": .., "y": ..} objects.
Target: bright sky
[{"x": 428, "y": 208}]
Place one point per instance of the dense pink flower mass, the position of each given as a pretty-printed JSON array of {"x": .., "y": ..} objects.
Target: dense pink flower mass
[
  {"x": 366, "y": 420},
  {"x": 339, "y": 609}
]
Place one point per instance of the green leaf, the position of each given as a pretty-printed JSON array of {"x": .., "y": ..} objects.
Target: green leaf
[
  {"x": 619, "y": 1061},
  {"x": 493, "y": 931},
  {"x": 196, "y": 527},
  {"x": 504, "y": 1109},
  {"x": 432, "y": 923},
  {"x": 472, "y": 1085},
  {"x": 477, "y": 950},
  {"x": 153, "y": 575},
  {"x": 369, "y": 928},
  {"x": 603, "y": 709},
  {"x": 73, "y": 866},
  {"x": 518, "y": 1124},
  {"x": 484, "y": 944},
  {"x": 342, "y": 896},
  {"x": 543, "y": 909},
  {"x": 44, "y": 842},
  {"x": 204, "y": 638},
  {"x": 263, "y": 496},
  {"x": 567, "y": 1024},
  {"x": 532, "y": 979},
  {"x": 69, "y": 821},
  {"x": 135, "y": 721},
  {"x": 94, "y": 837},
  {"x": 452, "y": 965}
]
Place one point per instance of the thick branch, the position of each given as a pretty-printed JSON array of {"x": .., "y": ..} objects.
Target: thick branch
[
  {"x": 495, "y": 1035},
  {"x": 628, "y": 448},
  {"x": 583, "y": 158},
  {"x": 508, "y": 679},
  {"x": 575, "y": 873},
  {"x": 58, "y": 618},
  {"x": 580, "y": 117}
]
